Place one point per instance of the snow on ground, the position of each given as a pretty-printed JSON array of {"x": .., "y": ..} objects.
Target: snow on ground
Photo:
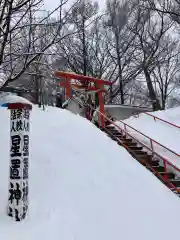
[
  {"x": 159, "y": 131},
  {"x": 10, "y": 98},
  {"x": 171, "y": 115},
  {"x": 83, "y": 186}
]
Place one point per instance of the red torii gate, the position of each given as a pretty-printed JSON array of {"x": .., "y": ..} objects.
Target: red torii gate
[{"x": 98, "y": 86}]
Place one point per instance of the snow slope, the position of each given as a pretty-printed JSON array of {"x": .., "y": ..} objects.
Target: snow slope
[
  {"x": 83, "y": 186},
  {"x": 161, "y": 132}
]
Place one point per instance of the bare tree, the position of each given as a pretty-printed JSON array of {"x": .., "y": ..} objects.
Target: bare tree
[
  {"x": 151, "y": 30},
  {"x": 120, "y": 38},
  {"x": 170, "y": 7},
  {"x": 21, "y": 32},
  {"x": 81, "y": 15},
  {"x": 167, "y": 71},
  {"x": 98, "y": 61}
]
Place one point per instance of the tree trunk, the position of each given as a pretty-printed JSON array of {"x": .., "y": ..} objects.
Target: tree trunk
[
  {"x": 120, "y": 81},
  {"x": 121, "y": 88},
  {"x": 119, "y": 69},
  {"x": 110, "y": 100},
  {"x": 155, "y": 102},
  {"x": 36, "y": 90},
  {"x": 163, "y": 102},
  {"x": 84, "y": 48}
]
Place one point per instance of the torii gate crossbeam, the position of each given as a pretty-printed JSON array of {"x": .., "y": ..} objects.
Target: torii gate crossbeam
[{"x": 98, "y": 85}]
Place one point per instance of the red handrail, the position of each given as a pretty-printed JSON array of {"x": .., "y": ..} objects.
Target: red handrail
[
  {"x": 163, "y": 158},
  {"x": 151, "y": 141},
  {"x": 125, "y": 124},
  {"x": 164, "y": 178},
  {"x": 165, "y": 161},
  {"x": 170, "y": 123}
]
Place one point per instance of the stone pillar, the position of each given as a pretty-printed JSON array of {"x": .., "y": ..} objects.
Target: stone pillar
[{"x": 19, "y": 160}]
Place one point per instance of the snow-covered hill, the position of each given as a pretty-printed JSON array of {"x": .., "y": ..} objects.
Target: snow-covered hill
[{"x": 83, "y": 186}]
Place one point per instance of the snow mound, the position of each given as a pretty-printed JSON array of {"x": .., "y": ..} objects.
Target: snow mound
[
  {"x": 83, "y": 186},
  {"x": 9, "y": 98}
]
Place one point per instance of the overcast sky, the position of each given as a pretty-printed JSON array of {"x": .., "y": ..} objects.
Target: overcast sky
[{"x": 51, "y": 4}]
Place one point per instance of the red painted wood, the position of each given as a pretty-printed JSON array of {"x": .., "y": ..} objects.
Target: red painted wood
[
  {"x": 81, "y": 78},
  {"x": 67, "y": 89},
  {"x": 19, "y": 106},
  {"x": 101, "y": 103}
]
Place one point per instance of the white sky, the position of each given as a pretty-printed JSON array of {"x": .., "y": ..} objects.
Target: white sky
[{"x": 51, "y": 4}]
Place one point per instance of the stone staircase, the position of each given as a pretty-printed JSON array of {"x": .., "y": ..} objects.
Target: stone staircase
[{"x": 153, "y": 164}]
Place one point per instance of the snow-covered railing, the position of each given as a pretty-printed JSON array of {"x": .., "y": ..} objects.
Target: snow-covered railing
[
  {"x": 165, "y": 161},
  {"x": 144, "y": 135},
  {"x": 162, "y": 120},
  {"x": 162, "y": 177}
]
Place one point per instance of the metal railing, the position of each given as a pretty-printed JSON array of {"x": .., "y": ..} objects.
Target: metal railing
[
  {"x": 164, "y": 160},
  {"x": 162, "y": 120},
  {"x": 164, "y": 177}
]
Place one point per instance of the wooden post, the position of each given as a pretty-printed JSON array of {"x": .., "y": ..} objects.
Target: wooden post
[
  {"x": 68, "y": 88},
  {"x": 101, "y": 109},
  {"x": 19, "y": 160}
]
